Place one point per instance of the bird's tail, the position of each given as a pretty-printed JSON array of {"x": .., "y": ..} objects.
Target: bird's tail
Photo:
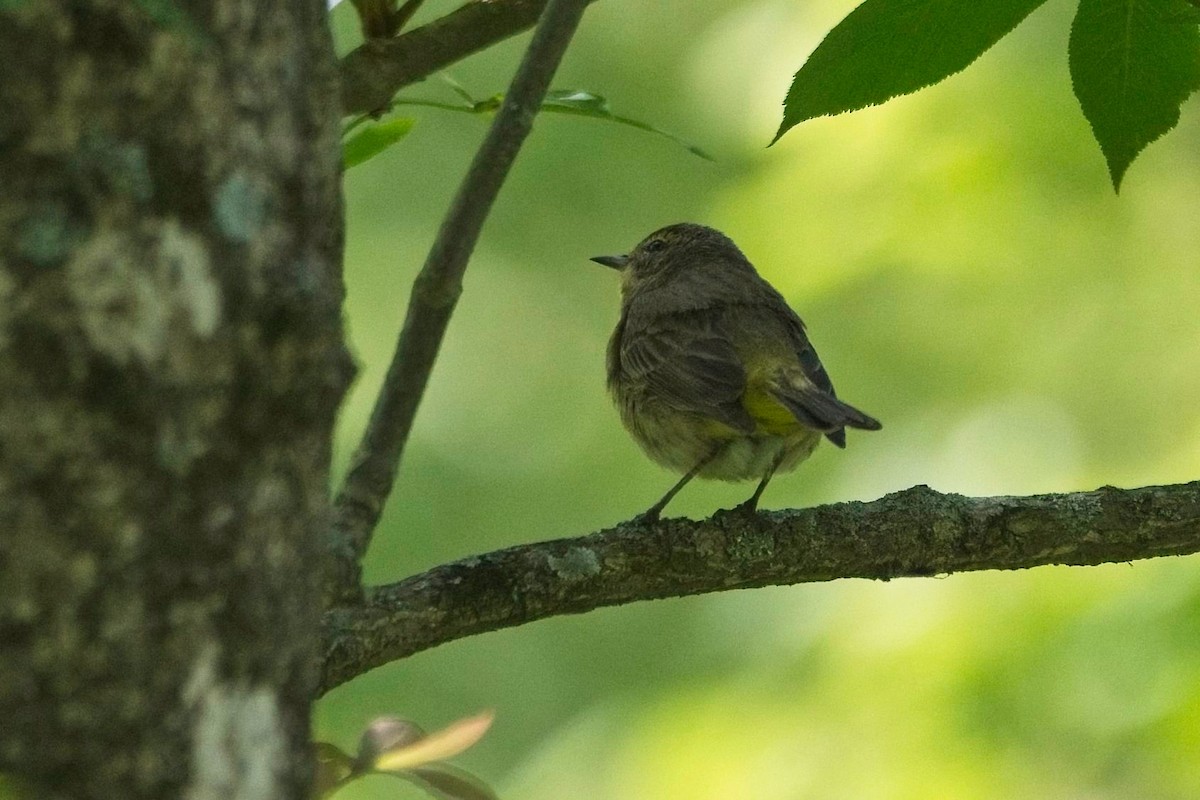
[{"x": 822, "y": 411}]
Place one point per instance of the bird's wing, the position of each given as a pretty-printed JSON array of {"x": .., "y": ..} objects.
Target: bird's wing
[
  {"x": 813, "y": 399},
  {"x": 810, "y": 362},
  {"x": 689, "y": 364}
]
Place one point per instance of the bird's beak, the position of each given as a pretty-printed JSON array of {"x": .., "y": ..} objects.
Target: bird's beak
[{"x": 616, "y": 262}]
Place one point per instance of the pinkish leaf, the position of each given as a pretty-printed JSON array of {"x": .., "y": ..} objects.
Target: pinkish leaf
[{"x": 449, "y": 741}]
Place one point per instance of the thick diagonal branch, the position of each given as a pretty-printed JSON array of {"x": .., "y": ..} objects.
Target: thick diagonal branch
[
  {"x": 434, "y": 295},
  {"x": 379, "y": 68},
  {"x": 918, "y": 532}
]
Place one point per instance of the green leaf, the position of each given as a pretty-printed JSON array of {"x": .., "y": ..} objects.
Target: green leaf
[
  {"x": 577, "y": 101},
  {"x": 886, "y": 48},
  {"x": 334, "y": 769},
  {"x": 396, "y": 748},
  {"x": 450, "y": 783},
  {"x": 370, "y": 142},
  {"x": 558, "y": 101},
  {"x": 1133, "y": 62},
  {"x": 456, "y": 87},
  {"x": 586, "y": 104},
  {"x": 385, "y": 734}
]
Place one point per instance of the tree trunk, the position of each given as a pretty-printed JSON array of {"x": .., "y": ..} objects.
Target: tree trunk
[{"x": 171, "y": 359}]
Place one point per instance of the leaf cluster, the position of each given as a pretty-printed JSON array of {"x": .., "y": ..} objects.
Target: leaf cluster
[
  {"x": 1132, "y": 65},
  {"x": 1132, "y": 62},
  {"x": 400, "y": 748}
]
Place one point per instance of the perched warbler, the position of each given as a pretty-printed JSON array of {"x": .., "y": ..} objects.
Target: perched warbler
[{"x": 710, "y": 369}]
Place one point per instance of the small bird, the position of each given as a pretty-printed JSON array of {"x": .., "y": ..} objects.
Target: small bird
[{"x": 711, "y": 371}]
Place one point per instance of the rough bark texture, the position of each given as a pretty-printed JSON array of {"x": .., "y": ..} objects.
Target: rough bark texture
[
  {"x": 171, "y": 353},
  {"x": 917, "y": 532}
]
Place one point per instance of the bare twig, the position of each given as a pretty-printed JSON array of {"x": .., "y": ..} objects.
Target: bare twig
[
  {"x": 403, "y": 14},
  {"x": 434, "y": 294},
  {"x": 918, "y": 532},
  {"x": 379, "y": 68},
  {"x": 380, "y": 19}
]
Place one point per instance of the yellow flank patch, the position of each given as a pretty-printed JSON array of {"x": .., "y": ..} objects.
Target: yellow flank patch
[
  {"x": 770, "y": 415},
  {"x": 719, "y": 431}
]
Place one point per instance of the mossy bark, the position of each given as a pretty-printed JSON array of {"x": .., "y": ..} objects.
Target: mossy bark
[
  {"x": 172, "y": 358},
  {"x": 914, "y": 533}
]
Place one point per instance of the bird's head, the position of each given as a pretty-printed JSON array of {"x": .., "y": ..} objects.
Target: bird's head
[{"x": 671, "y": 252}]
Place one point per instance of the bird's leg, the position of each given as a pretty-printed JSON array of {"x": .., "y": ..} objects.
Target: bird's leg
[
  {"x": 751, "y": 505},
  {"x": 651, "y": 514}
]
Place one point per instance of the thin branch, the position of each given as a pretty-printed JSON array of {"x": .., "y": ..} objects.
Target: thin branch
[
  {"x": 379, "y": 68},
  {"x": 434, "y": 295},
  {"x": 403, "y": 14},
  {"x": 918, "y": 532}
]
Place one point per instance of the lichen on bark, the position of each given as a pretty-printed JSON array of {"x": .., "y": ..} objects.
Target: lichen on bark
[{"x": 171, "y": 346}]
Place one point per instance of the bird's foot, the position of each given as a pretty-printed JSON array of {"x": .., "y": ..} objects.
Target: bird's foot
[
  {"x": 746, "y": 509},
  {"x": 649, "y": 517}
]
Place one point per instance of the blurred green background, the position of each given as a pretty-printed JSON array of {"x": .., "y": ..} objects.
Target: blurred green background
[{"x": 968, "y": 277}]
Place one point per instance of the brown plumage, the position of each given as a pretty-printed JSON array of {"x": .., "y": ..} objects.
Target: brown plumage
[{"x": 712, "y": 372}]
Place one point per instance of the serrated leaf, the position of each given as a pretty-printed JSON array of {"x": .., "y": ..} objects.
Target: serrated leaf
[
  {"x": 887, "y": 48},
  {"x": 333, "y": 768},
  {"x": 451, "y": 783},
  {"x": 449, "y": 741},
  {"x": 586, "y": 104},
  {"x": 371, "y": 141},
  {"x": 1133, "y": 62}
]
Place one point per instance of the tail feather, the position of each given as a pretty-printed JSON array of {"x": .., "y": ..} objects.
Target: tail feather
[{"x": 824, "y": 412}]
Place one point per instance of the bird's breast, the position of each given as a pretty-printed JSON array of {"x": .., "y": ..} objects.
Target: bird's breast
[{"x": 679, "y": 440}]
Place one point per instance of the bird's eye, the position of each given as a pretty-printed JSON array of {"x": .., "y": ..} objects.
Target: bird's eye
[{"x": 654, "y": 246}]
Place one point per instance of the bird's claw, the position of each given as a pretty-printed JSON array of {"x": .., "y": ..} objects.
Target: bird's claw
[
  {"x": 746, "y": 509},
  {"x": 647, "y": 517}
]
